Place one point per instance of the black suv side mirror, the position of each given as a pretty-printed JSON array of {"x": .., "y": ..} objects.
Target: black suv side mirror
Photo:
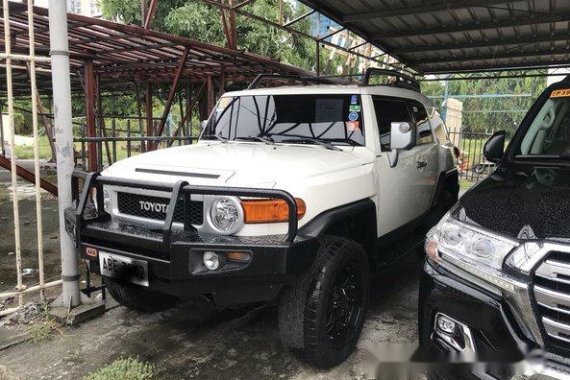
[{"x": 495, "y": 147}]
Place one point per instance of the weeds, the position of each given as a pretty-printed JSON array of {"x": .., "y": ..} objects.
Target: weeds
[
  {"x": 47, "y": 327},
  {"x": 46, "y": 330},
  {"x": 123, "y": 369}
]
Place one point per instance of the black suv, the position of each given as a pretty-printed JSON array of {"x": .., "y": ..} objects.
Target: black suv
[{"x": 496, "y": 283}]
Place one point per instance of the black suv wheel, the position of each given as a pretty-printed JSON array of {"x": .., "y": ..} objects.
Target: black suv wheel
[
  {"x": 135, "y": 297},
  {"x": 322, "y": 316}
]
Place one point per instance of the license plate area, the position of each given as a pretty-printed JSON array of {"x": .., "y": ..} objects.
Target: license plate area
[{"x": 124, "y": 268}]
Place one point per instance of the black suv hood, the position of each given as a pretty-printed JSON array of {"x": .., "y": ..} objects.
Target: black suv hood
[{"x": 521, "y": 202}]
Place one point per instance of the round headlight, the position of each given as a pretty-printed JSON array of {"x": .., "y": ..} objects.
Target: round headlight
[{"x": 226, "y": 215}]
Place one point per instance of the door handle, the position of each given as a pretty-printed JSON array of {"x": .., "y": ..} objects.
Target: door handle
[{"x": 420, "y": 164}]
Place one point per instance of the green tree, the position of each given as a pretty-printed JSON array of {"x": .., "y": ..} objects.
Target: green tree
[
  {"x": 202, "y": 22},
  {"x": 495, "y": 112}
]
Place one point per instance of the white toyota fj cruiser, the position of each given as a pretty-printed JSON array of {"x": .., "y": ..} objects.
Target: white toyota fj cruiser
[{"x": 296, "y": 194}]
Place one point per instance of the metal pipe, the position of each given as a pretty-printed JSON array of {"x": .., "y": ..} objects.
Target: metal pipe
[
  {"x": 34, "y": 88},
  {"x": 10, "y": 95},
  {"x": 30, "y": 289},
  {"x": 61, "y": 83}
]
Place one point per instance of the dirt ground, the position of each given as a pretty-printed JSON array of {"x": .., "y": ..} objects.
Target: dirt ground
[{"x": 28, "y": 234}]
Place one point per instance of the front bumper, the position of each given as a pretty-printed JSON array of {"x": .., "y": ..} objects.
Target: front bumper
[
  {"x": 174, "y": 256},
  {"x": 496, "y": 334}
]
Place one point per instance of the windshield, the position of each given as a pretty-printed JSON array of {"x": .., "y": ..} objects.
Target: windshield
[
  {"x": 332, "y": 119},
  {"x": 549, "y": 133}
]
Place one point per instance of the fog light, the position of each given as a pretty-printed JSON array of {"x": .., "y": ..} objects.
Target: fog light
[
  {"x": 445, "y": 324},
  {"x": 211, "y": 260},
  {"x": 456, "y": 336}
]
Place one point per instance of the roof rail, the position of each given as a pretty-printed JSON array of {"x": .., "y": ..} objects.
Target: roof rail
[
  {"x": 298, "y": 78},
  {"x": 400, "y": 80}
]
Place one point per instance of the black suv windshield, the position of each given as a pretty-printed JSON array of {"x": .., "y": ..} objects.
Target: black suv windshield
[
  {"x": 304, "y": 119},
  {"x": 548, "y": 136}
]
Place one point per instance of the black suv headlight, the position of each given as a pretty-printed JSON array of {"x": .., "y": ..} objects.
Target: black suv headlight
[{"x": 477, "y": 256}]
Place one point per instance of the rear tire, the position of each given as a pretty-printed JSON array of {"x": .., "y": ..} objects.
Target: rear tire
[
  {"x": 138, "y": 298},
  {"x": 322, "y": 316}
]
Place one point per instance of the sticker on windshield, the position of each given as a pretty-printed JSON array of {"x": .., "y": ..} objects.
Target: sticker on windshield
[
  {"x": 562, "y": 93},
  {"x": 353, "y": 126},
  {"x": 353, "y": 116},
  {"x": 355, "y": 108},
  {"x": 354, "y": 99}
]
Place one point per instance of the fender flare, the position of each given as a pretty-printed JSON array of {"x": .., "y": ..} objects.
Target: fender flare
[{"x": 362, "y": 211}]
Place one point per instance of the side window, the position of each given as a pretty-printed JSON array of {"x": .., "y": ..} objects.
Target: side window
[
  {"x": 387, "y": 112},
  {"x": 424, "y": 134}
]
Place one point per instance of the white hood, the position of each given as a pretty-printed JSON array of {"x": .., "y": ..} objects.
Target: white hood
[{"x": 238, "y": 163}]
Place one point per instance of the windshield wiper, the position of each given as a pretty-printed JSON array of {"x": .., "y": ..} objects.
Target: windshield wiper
[
  {"x": 309, "y": 140},
  {"x": 347, "y": 141},
  {"x": 217, "y": 137},
  {"x": 264, "y": 139}
]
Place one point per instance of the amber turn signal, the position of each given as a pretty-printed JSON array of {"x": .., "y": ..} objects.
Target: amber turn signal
[{"x": 270, "y": 210}]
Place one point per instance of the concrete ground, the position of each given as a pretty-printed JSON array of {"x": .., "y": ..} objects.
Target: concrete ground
[
  {"x": 195, "y": 341},
  {"x": 191, "y": 341}
]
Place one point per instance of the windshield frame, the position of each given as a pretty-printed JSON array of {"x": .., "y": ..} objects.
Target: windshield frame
[
  {"x": 206, "y": 133},
  {"x": 511, "y": 155}
]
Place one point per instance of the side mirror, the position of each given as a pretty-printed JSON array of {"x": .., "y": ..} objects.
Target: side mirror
[
  {"x": 402, "y": 137},
  {"x": 203, "y": 124},
  {"x": 494, "y": 148}
]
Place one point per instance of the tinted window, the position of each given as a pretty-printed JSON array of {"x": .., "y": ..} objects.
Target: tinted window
[
  {"x": 387, "y": 112},
  {"x": 549, "y": 133},
  {"x": 284, "y": 118},
  {"x": 424, "y": 135}
]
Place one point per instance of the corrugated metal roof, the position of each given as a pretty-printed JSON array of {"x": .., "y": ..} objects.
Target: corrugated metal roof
[{"x": 449, "y": 36}]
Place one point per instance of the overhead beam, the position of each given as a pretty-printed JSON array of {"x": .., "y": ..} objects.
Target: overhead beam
[
  {"x": 495, "y": 56},
  {"x": 295, "y": 20},
  {"x": 482, "y": 44},
  {"x": 436, "y": 6},
  {"x": 559, "y": 63},
  {"x": 150, "y": 13},
  {"x": 172, "y": 92},
  {"x": 533, "y": 20}
]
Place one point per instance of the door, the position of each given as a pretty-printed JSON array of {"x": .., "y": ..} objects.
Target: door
[
  {"x": 401, "y": 189},
  {"x": 427, "y": 150}
]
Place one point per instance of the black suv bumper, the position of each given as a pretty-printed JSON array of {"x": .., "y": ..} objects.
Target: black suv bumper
[
  {"x": 496, "y": 337},
  {"x": 174, "y": 258}
]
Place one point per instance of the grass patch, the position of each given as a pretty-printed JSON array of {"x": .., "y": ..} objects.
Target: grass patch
[
  {"x": 465, "y": 184},
  {"x": 123, "y": 369},
  {"x": 44, "y": 331},
  {"x": 27, "y": 151}
]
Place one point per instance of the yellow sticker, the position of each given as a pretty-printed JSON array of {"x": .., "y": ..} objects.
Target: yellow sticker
[{"x": 562, "y": 93}]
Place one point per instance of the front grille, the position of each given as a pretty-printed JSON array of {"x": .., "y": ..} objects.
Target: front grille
[
  {"x": 552, "y": 294},
  {"x": 130, "y": 204}
]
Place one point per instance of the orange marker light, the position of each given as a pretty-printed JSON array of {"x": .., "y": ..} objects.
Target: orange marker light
[
  {"x": 91, "y": 252},
  {"x": 270, "y": 210}
]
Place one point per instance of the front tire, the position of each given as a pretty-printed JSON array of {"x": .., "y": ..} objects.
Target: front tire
[
  {"x": 322, "y": 316},
  {"x": 138, "y": 298}
]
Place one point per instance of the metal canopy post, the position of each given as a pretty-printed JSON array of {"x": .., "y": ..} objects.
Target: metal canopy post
[
  {"x": 61, "y": 83},
  {"x": 89, "y": 75}
]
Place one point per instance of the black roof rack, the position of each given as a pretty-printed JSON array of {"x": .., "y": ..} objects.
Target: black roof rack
[
  {"x": 396, "y": 79},
  {"x": 304, "y": 80}
]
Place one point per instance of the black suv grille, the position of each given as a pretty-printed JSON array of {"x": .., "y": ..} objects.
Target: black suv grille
[
  {"x": 155, "y": 208},
  {"x": 552, "y": 294}
]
